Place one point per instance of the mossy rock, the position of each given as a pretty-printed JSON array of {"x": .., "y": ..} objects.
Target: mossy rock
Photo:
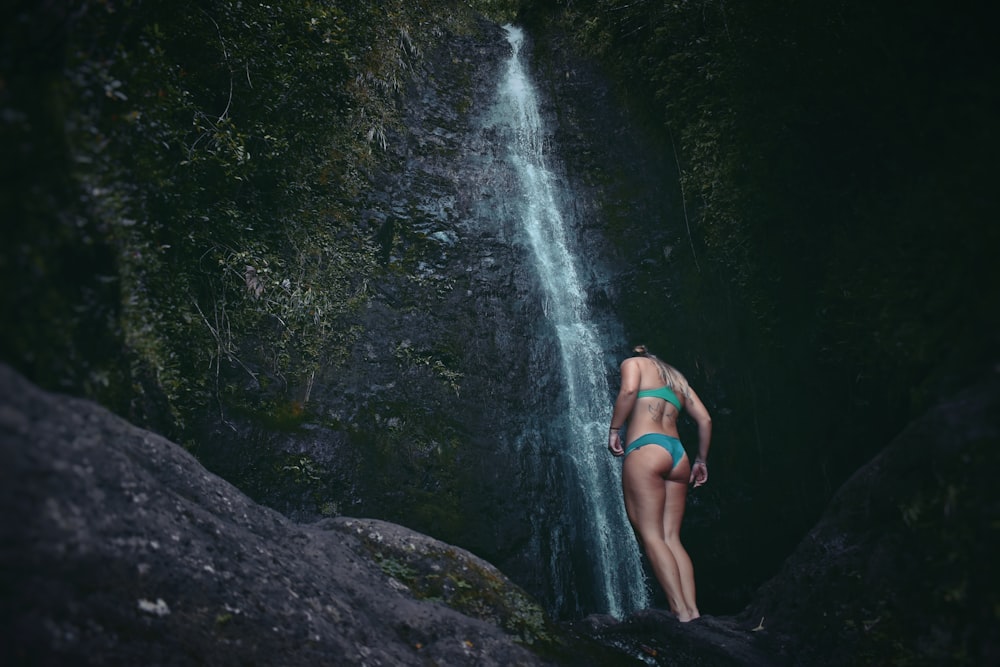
[{"x": 434, "y": 570}]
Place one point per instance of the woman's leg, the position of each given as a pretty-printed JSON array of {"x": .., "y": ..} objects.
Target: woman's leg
[
  {"x": 673, "y": 513},
  {"x": 646, "y": 502}
]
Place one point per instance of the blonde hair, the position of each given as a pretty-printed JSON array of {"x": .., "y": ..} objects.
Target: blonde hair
[{"x": 671, "y": 377}]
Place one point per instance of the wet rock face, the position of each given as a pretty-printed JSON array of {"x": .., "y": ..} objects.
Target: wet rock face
[
  {"x": 461, "y": 289},
  {"x": 455, "y": 362},
  {"x": 117, "y": 547},
  {"x": 446, "y": 353},
  {"x": 410, "y": 426}
]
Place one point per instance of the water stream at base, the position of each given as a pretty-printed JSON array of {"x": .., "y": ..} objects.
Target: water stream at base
[{"x": 591, "y": 545}]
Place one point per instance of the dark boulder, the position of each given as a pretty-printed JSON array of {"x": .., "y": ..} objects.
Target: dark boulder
[
  {"x": 656, "y": 637},
  {"x": 901, "y": 568},
  {"x": 117, "y": 547}
]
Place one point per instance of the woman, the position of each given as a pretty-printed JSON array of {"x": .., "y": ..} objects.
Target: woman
[{"x": 656, "y": 471}]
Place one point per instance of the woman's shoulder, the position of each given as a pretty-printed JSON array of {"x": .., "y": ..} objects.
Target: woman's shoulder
[
  {"x": 630, "y": 362},
  {"x": 636, "y": 363}
]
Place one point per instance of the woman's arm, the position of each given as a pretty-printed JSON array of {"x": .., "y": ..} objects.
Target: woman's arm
[
  {"x": 623, "y": 404},
  {"x": 698, "y": 412}
]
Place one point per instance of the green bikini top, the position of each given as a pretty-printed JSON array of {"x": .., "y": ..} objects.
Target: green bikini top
[{"x": 664, "y": 392}]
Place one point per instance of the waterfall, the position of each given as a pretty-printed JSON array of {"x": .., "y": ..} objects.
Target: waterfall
[{"x": 589, "y": 542}]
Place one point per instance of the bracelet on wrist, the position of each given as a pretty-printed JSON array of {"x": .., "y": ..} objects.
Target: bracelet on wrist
[{"x": 615, "y": 428}]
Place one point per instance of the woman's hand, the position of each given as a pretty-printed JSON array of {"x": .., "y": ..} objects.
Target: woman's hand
[
  {"x": 615, "y": 443},
  {"x": 699, "y": 473}
]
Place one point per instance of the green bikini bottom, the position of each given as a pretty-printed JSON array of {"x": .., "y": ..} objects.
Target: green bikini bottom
[{"x": 668, "y": 442}]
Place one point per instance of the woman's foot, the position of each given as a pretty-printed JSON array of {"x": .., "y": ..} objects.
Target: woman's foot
[{"x": 687, "y": 616}]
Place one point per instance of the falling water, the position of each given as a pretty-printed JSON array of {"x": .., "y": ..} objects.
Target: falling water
[{"x": 592, "y": 476}]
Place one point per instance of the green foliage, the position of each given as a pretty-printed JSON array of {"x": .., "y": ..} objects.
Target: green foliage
[
  {"x": 217, "y": 159},
  {"x": 441, "y": 573},
  {"x": 395, "y": 569},
  {"x": 303, "y": 468},
  {"x": 234, "y": 190},
  {"x": 411, "y": 358},
  {"x": 219, "y": 151},
  {"x": 57, "y": 274},
  {"x": 501, "y": 11}
]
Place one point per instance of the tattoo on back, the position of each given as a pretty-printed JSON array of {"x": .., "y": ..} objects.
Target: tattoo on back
[{"x": 660, "y": 410}]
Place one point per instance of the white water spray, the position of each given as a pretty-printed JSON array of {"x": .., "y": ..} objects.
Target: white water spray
[{"x": 609, "y": 543}]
